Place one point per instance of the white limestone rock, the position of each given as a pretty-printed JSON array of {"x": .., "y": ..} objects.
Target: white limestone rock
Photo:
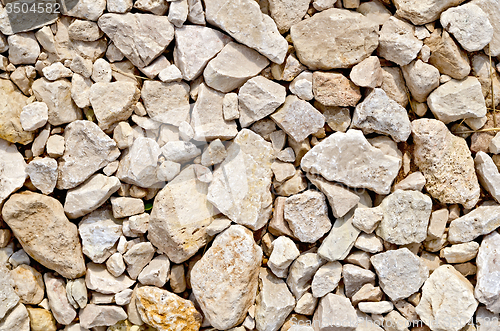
[
  {"x": 414, "y": 181},
  {"x": 16, "y": 319},
  {"x": 60, "y": 307},
  {"x": 170, "y": 74},
  {"x": 486, "y": 290},
  {"x": 302, "y": 86},
  {"x": 125, "y": 206},
  {"x": 115, "y": 264},
  {"x": 100, "y": 280},
  {"x": 423, "y": 12},
  {"x": 367, "y": 73},
  {"x": 398, "y": 42},
  {"x": 14, "y": 170},
  {"x": 488, "y": 175},
  {"x": 302, "y": 271},
  {"x": 287, "y": 12},
  {"x": 284, "y": 253},
  {"x": 23, "y": 48},
  {"x": 382, "y": 307},
  {"x": 28, "y": 285},
  {"x": 77, "y": 293},
  {"x": 480, "y": 221},
  {"x": 421, "y": 79},
  {"x": 55, "y": 71},
  {"x": 156, "y": 272},
  {"x": 492, "y": 10},
  {"x": 34, "y": 116},
  {"x": 326, "y": 279},
  {"x": 137, "y": 257},
  {"x": 335, "y": 312},
  {"x": 9, "y": 298},
  {"x": 178, "y": 12},
  {"x": 166, "y": 102},
  {"x": 101, "y": 315},
  {"x": 460, "y": 253}
]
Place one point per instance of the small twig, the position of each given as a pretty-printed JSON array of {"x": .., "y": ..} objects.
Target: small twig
[
  {"x": 129, "y": 75},
  {"x": 478, "y": 131}
]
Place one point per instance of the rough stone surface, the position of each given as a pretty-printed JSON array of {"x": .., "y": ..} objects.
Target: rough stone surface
[
  {"x": 398, "y": 42},
  {"x": 166, "y": 102},
  {"x": 334, "y": 89},
  {"x": 421, "y": 78},
  {"x": 100, "y": 280},
  {"x": 28, "y": 284},
  {"x": 101, "y": 315},
  {"x": 487, "y": 272},
  {"x": 9, "y": 297},
  {"x": 63, "y": 312},
  {"x": 491, "y": 8},
  {"x": 479, "y": 221},
  {"x": 326, "y": 279},
  {"x": 39, "y": 223},
  {"x": 302, "y": 271},
  {"x": 367, "y": 73},
  {"x": 13, "y": 170},
  {"x": 34, "y": 116},
  {"x": 335, "y": 312},
  {"x": 488, "y": 174},
  {"x": 423, "y": 12},
  {"x": 225, "y": 279}
]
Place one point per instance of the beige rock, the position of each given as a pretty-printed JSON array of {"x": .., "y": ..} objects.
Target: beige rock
[
  {"x": 414, "y": 181},
  {"x": 394, "y": 85},
  {"x": 283, "y": 254},
  {"x": 156, "y": 272},
  {"x": 437, "y": 223},
  {"x": 125, "y": 206},
  {"x": 76, "y": 292},
  {"x": 228, "y": 274},
  {"x": 445, "y": 161},
  {"x": 39, "y": 223},
  {"x": 421, "y": 78},
  {"x": 16, "y": 319},
  {"x": 9, "y": 298},
  {"x": 55, "y": 71},
  {"x": 355, "y": 277},
  {"x": 487, "y": 269},
  {"x": 101, "y": 315},
  {"x": 490, "y": 7},
  {"x": 41, "y": 320},
  {"x": 334, "y": 89},
  {"x": 375, "y": 10},
  {"x": 420, "y": 13},
  {"x": 13, "y": 170},
  {"x": 80, "y": 90},
  {"x": 115, "y": 264},
  {"x": 460, "y": 253},
  {"x": 128, "y": 31},
  {"x": 335, "y": 312},
  {"x": 177, "y": 278},
  {"x": 288, "y": 70},
  {"x": 63, "y": 312},
  {"x": 34, "y": 116},
  {"x": 369, "y": 243},
  {"x": 324, "y": 43},
  {"x": 11, "y": 106},
  {"x": 488, "y": 174},
  {"x": 287, "y": 13},
  {"x": 166, "y": 102},
  {"x": 84, "y": 30},
  {"x": 302, "y": 86},
  {"x": 302, "y": 271},
  {"x": 486, "y": 75},
  {"x": 398, "y": 42},
  {"x": 137, "y": 257},
  {"x": 178, "y": 12},
  {"x": 237, "y": 18},
  {"x": 367, "y": 73},
  {"x": 55, "y": 146},
  {"x": 196, "y": 13},
  {"x": 326, "y": 279},
  {"x": 367, "y": 292},
  {"x": 23, "y": 48},
  {"x": 99, "y": 279},
  {"x": 28, "y": 284},
  {"x": 282, "y": 170}
]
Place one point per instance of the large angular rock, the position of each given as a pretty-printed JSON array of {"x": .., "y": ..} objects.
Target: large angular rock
[
  {"x": 113, "y": 102},
  {"x": 447, "y": 296},
  {"x": 166, "y": 102},
  {"x": 488, "y": 267},
  {"x": 400, "y": 272},
  {"x": 274, "y": 302},
  {"x": 423, "y": 12},
  {"x": 81, "y": 160},
  {"x": 39, "y": 223},
  {"x": 287, "y": 12},
  {"x": 479, "y": 221},
  {"x": 360, "y": 165},
  {"x": 492, "y": 10},
  {"x": 334, "y": 38},
  {"x": 90, "y": 195},
  {"x": 140, "y": 37},
  {"x": 57, "y": 96},
  {"x": 488, "y": 174},
  {"x": 23, "y": 48},
  {"x": 9, "y": 297},
  {"x": 12, "y": 102},
  {"x": 458, "y": 99},
  {"x": 398, "y": 42},
  {"x": 233, "y": 66},
  {"x": 207, "y": 117},
  {"x": 180, "y": 215},
  {"x": 194, "y": 46},
  {"x": 240, "y": 188},
  {"x": 99, "y": 232},
  {"x": 225, "y": 279},
  {"x": 166, "y": 311},
  {"x": 240, "y": 17},
  {"x": 380, "y": 114},
  {"x": 12, "y": 170},
  {"x": 445, "y": 161}
]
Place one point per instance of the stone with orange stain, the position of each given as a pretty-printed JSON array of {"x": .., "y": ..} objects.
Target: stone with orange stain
[{"x": 166, "y": 311}]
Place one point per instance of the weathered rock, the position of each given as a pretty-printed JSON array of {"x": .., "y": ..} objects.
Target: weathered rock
[
  {"x": 166, "y": 102},
  {"x": 381, "y": 307},
  {"x": 80, "y": 161},
  {"x": 13, "y": 170},
  {"x": 457, "y": 100},
  {"x": 57, "y": 96},
  {"x": 9, "y": 297},
  {"x": 298, "y": 118},
  {"x": 233, "y": 66},
  {"x": 479, "y": 221},
  {"x": 63, "y": 312},
  {"x": 227, "y": 274},
  {"x": 400, "y": 272},
  {"x": 487, "y": 272},
  {"x": 156, "y": 272},
  {"x": 115, "y": 264},
  {"x": 324, "y": 43},
  {"x": 394, "y": 85},
  {"x": 180, "y": 215},
  {"x": 287, "y": 13},
  {"x": 90, "y": 195},
  {"x": 460, "y": 253},
  {"x": 113, "y": 102},
  {"x": 101, "y": 315},
  {"x": 55, "y": 71},
  {"x": 379, "y": 113},
  {"x": 41, "y": 320},
  {"x": 137, "y": 257},
  {"x": 307, "y": 216},
  {"x": 326, "y": 279},
  {"x": 258, "y": 98},
  {"x": 76, "y": 291},
  {"x": 421, "y": 79},
  {"x": 446, "y": 163},
  {"x": 238, "y": 18},
  {"x": 334, "y": 89},
  {"x": 367, "y": 73},
  {"x": 355, "y": 277},
  {"x": 99, "y": 279},
  {"x": 11, "y": 106},
  {"x": 39, "y": 223},
  {"x": 284, "y": 253},
  {"x": 488, "y": 174},
  {"x": 99, "y": 232},
  {"x": 125, "y": 206},
  {"x": 23, "y": 48},
  {"x": 180, "y": 151},
  {"x": 140, "y": 37},
  {"x": 420, "y": 13},
  {"x": 28, "y": 284},
  {"x": 235, "y": 190},
  {"x": 16, "y": 319},
  {"x": 335, "y": 312},
  {"x": 491, "y": 8},
  {"x": 80, "y": 90},
  {"x": 34, "y": 116},
  {"x": 370, "y": 168},
  {"x": 194, "y": 47},
  {"x": 55, "y": 146},
  {"x": 302, "y": 271},
  {"x": 447, "y": 296},
  {"x": 302, "y": 87}
]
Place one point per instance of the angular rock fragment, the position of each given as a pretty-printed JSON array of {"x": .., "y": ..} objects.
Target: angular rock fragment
[
  {"x": 335, "y": 312},
  {"x": 479, "y": 221},
  {"x": 99, "y": 279},
  {"x": 488, "y": 174},
  {"x": 225, "y": 279},
  {"x": 460, "y": 253},
  {"x": 334, "y": 89},
  {"x": 156, "y": 272},
  {"x": 492, "y": 10},
  {"x": 9, "y": 298},
  {"x": 39, "y": 223},
  {"x": 423, "y": 12},
  {"x": 486, "y": 291},
  {"x": 355, "y": 277},
  {"x": 34, "y": 116},
  {"x": 28, "y": 284},
  {"x": 421, "y": 78},
  {"x": 12, "y": 102},
  {"x": 326, "y": 279},
  {"x": 398, "y": 42},
  {"x": 302, "y": 271},
  {"x": 166, "y": 102},
  {"x": 101, "y": 315},
  {"x": 16, "y": 319},
  {"x": 13, "y": 170},
  {"x": 367, "y": 73},
  {"x": 137, "y": 257},
  {"x": 284, "y": 253}
]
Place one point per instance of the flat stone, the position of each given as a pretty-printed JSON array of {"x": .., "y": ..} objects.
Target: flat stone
[
  {"x": 447, "y": 294},
  {"x": 99, "y": 232},
  {"x": 156, "y": 272},
  {"x": 233, "y": 66},
  {"x": 326, "y": 279},
  {"x": 178, "y": 12},
  {"x": 437, "y": 223},
  {"x": 87, "y": 9},
  {"x": 420, "y": 13},
  {"x": 228, "y": 274},
  {"x": 9, "y": 297},
  {"x": 258, "y": 98},
  {"x": 400, "y": 272},
  {"x": 470, "y": 26},
  {"x": 129, "y": 31},
  {"x": 367, "y": 73},
  {"x": 84, "y": 30},
  {"x": 307, "y": 216},
  {"x": 302, "y": 271},
  {"x": 196, "y": 13},
  {"x": 39, "y": 223},
  {"x": 28, "y": 284},
  {"x": 16, "y": 319},
  {"x": 99, "y": 279},
  {"x": 334, "y": 89},
  {"x": 298, "y": 118},
  {"x": 335, "y": 163},
  {"x": 421, "y": 78},
  {"x": 335, "y": 312},
  {"x": 282, "y": 170},
  {"x": 382, "y": 307},
  {"x": 380, "y": 114},
  {"x": 101, "y": 315},
  {"x": 60, "y": 307},
  {"x": 80, "y": 90},
  {"x": 195, "y": 46},
  {"x": 55, "y": 146},
  {"x": 490, "y": 7},
  {"x": 323, "y": 41},
  {"x": 207, "y": 117},
  {"x": 166, "y": 311},
  {"x": 398, "y": 42},
  {"x": 456, "y": 100},
  {"x": 80, "y": 161},
  {"x": 125, "y": 206},
  {"x": 273, "y": 303},
  {"x": 14, "y": 170},
  {"x": 57, "y": 96},
  {"x": 480, "y": 221},
  {"x": 235, "y": 190},
  {"x": 34, "y": 116},
  {"x": 166, "y": 102},
  {"x": 90, "y": 195},
  {"x": 367, "y": 292},
  {"x": 446, "y": 163},
  {"x": 113, "y": 102},
  {"x": 238, "y": 18},
  {"x": 460, "y": 253},
  {"x": 180, "y": 151},
  {"x": 181, "y": 212},
  {"x": 11, "y": 107},
  {"x": 487, "y": 271}
]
